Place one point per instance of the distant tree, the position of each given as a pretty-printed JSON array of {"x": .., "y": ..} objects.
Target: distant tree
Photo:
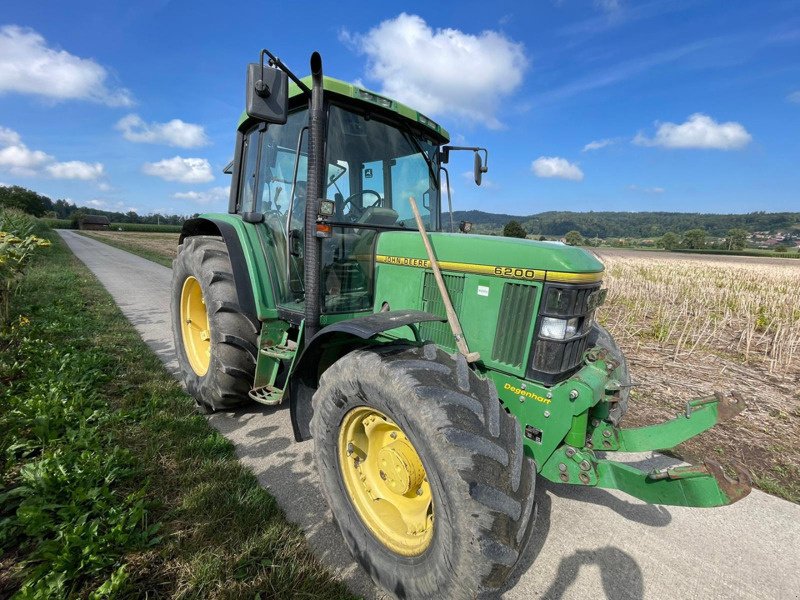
[
  {"x": 736, "y": 239},
  {"x": 132, "y": 216},
  {"x": 669, "y": 241},
  {"x": 514, "y": 229},
  {"x": 573, "y": 238},
  {"x": 694, "y": 239},
  {"x": 542, "y": 238},
  {"x": 26, "y": 200},
  {"x": 76, "y": 217},
  {"x": 780, "y": 248}
]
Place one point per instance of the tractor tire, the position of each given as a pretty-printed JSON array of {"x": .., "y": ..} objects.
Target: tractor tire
[
  {"x": 481, "y": 484},
  {"x": 217, "y": 350},
  {"x": 599, "y": 336}
]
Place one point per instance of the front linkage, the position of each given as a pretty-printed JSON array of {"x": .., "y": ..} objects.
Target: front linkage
[{"x": 592, "y": 391}]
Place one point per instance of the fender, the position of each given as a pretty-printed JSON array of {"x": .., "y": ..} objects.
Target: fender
[
  {"x": 241, "y": 276},
  {"x": 330, "y": 344}
]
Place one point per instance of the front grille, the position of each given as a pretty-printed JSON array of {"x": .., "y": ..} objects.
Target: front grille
[
  {"x": 513, "y": 323},
  {"x": 555, "y": 360},
  {"x": 440, "y": 333}
]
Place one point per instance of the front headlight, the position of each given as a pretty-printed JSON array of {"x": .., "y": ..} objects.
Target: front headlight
[{"x": 559, "y": 329}]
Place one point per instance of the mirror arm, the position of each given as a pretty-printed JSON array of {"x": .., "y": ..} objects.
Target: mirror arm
[{"x": 278, "y": 63}]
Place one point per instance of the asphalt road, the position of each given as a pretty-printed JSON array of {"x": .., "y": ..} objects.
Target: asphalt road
[{"x": 589, "y": 542}]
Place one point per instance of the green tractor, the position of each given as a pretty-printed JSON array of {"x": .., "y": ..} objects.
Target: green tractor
[{"x": 438, "y": 373}]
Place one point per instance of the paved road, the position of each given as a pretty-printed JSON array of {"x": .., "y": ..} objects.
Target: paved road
[{"x": 589, "y": 542}]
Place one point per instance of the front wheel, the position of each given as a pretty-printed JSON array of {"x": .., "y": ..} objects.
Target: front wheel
[
  {"x": 216, "y": 342},
  {"x": 424, "y": 471}
]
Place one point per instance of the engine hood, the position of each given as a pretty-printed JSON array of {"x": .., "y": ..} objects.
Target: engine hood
[{"x": 491, "y": 255}]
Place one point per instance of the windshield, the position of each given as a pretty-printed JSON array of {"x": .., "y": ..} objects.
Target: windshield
[{"x": 374, "y": 168}]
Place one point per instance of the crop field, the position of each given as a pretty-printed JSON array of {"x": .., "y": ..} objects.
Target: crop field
[
  {"x": 689, "y": 325},
  {"x": 693, "y": 325}
]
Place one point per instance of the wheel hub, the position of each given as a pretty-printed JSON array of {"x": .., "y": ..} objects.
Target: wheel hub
[
  {"x": 195, "y": 330},
  {"x": 385, "y": 481}
]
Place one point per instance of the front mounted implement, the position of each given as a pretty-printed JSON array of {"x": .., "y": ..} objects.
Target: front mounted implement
[{"x": 705, "y": 485}]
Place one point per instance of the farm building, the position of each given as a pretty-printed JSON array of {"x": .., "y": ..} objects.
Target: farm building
[{"x": 94, "y": 222}]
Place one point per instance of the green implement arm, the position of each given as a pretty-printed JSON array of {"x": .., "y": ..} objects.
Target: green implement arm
[{"x": 703, "y": 485}]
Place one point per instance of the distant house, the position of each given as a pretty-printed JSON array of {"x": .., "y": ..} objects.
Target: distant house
[{"x": 94, "y": 222}]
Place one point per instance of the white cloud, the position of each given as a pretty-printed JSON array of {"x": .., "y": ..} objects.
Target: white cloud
[
  {"x": 215, "y": 194},
  {"x": 75, "y": 169},
  {"x": 29, "y": 66},
  {"x": 17, "y": 158},
  {"x": 104, "y": 187},
  {"x": 794, "y": 97},
  {"x": 172, "y": 133},
  {"x": 699, "y": 131},
  {"x": 553, "y": 166},
  {"x": 101, "y": 204},
  {"x": 646, "y": 190},
  {"x": 184, "y": 170},
  {"x": 9, "y": 137},
  {"x": 442, "y": 71},
  {"x": 597, "y": 144}
]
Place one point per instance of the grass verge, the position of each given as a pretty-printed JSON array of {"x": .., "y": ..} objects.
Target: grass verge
[{"x": 112, "y": 485}]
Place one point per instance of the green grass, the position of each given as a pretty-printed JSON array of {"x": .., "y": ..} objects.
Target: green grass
[
  {"x": 134, "y": 248},
  {"x": 112, "y": 484}
]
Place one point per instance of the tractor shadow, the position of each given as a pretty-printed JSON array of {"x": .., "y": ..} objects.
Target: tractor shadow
[{"x": 265, "y": 443}]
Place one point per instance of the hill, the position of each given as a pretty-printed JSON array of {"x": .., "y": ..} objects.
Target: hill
[{"x": 629, "y": 224}]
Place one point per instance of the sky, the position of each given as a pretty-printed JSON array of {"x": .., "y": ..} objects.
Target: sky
[{"x": 669, "y": 105}]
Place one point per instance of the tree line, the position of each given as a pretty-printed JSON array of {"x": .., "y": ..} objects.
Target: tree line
[
  {"x": 38, "y": 205},
  {"x": 629, "y": 224}
]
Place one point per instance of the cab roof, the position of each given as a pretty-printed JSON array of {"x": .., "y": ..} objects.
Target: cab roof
[{"x": 348, "y": 90}]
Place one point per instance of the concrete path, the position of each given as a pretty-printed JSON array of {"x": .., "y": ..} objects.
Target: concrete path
[{"x": 589, "y": 542}]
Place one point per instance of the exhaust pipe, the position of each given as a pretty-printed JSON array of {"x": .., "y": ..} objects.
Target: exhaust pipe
[{"x": 314, "y": 191}]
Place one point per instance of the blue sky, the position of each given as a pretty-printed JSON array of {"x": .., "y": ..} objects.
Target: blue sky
[{"x": 584, "y": 104}]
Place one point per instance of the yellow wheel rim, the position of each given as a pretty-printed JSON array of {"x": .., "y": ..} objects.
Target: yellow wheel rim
[
  {"x": 386, "y": 482},
  {"x": 194, "y": 326}
]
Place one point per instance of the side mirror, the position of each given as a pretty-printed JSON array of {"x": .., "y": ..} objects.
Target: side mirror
[
  {"x": 295, "y": 242},
  {"x": 478, "y": 168},
  {"x": 267, "y": 94}
]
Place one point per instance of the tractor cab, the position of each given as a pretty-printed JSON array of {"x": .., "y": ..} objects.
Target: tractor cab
[{"x": 375, "y": 159}]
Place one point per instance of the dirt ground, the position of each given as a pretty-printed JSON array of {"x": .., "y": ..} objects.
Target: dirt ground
[{"x": 163, "y": 244}]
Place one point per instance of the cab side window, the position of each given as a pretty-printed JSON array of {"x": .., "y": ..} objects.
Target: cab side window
[{"x": 248, "y": 183}]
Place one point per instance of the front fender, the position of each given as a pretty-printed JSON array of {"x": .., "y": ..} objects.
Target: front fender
[{"x": 328, "y": 346}]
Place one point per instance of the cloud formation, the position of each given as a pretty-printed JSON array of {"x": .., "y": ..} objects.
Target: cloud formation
[
  {"x": 215, "y": 194},
  {"x": 172, "y": 133},
  {"x": 698, "y": 131},
  {"x": 442, "y": 71},
  {"x": 18, "y": 159},
  {"x": 794, "y": 97},
  {"x": 183, "y": 170},
  {"x": 29, "y": 66},
  {"x": 646, "y": 190},
  {"x": 554, "y": 166},
  {"x": 75, "y": 169},
  {"x": 597, "y": 144}
]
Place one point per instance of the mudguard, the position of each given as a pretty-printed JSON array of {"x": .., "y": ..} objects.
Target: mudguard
[{"x": 330, "y": 344}]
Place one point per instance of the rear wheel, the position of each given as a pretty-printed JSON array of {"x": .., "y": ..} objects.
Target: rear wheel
[
  {"x": 424, "y": 471},
  {"x": 215, "y": 341}
]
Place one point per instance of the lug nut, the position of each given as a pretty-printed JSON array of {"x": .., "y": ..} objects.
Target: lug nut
[
  {"x": 419, "y": 492},
  {"x": 606, "y": 433},
  {"x": 570, "y": 451},
  {"x": 584, "y": 478},
  {"x": 393, "y": 435},
  {"x": 562, "y": 467},
  {"x": 546, "y": 414},
  {"x": 350, "y": 448},
  {"x": 585, "y": 466},
  {"x": 549, "y": 394},
  {"x": 595, "y": 422},
  {"x": 573, "y": 394}
]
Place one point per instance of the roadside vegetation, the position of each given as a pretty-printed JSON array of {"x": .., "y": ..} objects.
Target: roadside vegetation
[{"x": 111, "y": 484}]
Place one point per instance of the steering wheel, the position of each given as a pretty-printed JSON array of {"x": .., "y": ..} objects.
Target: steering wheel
[{"x": 356, "y": 211}]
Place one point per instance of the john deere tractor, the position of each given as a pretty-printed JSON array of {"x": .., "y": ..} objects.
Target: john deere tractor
[{"x": 438, "y": 373}]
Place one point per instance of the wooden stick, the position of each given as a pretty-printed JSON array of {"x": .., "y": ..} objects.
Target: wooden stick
[{"x": 452, "y": 317}]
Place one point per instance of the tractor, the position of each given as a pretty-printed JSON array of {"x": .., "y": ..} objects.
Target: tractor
[{"x": 438, "y": 373}]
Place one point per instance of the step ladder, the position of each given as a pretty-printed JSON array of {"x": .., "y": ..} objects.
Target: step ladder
[{"x": 268, "y": 393}]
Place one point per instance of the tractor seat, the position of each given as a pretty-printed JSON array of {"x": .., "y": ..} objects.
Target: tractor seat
[{"x": 378, "y": 216}]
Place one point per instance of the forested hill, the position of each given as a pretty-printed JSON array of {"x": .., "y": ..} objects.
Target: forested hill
[{"x": 629, "y": 224}]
